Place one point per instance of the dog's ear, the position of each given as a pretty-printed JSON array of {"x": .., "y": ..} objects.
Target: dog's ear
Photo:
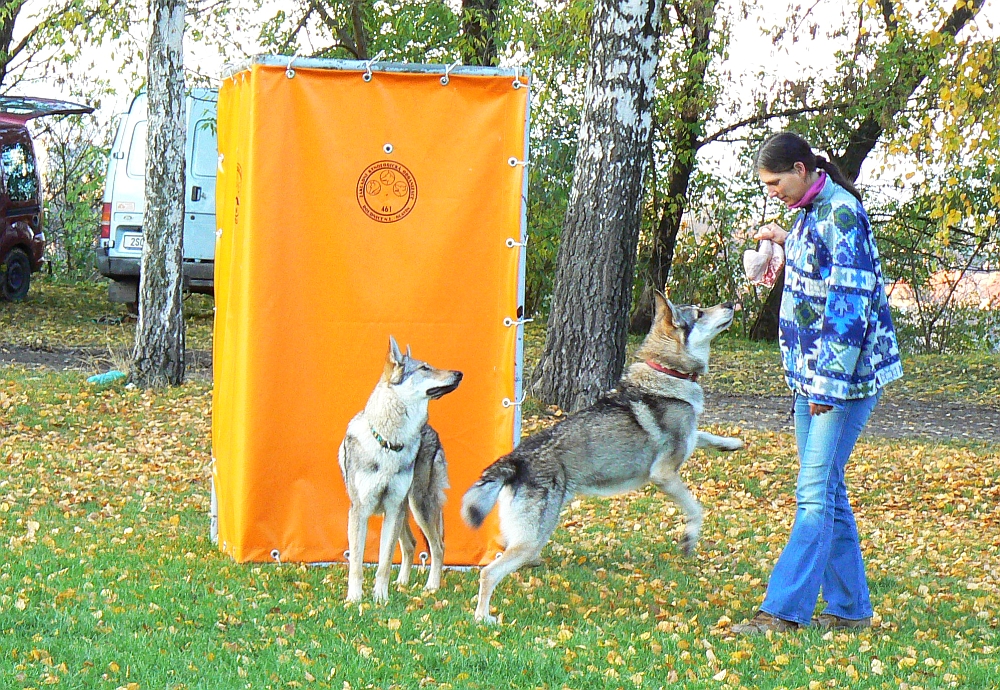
[
  {"x": 392, "y": 372},
  {"x": 667, "y": 318},
  {"x": 394, "y": 354},
  {"x": 661, "y": 306},
  {"x": 665, "y": 311}
]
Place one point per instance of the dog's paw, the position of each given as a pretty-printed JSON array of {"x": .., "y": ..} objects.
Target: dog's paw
[
  {"x": 486, "y": 619},
  {"x": 380, "y": 594},
  {"x": 353, "y": 597}
]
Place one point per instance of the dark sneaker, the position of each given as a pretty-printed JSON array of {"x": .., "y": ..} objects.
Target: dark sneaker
[
  {"x": 763, "y": 622},
  {"x": 828, "y": 621}
]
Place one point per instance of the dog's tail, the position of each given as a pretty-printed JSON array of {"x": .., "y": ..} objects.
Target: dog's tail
[{"x": 482, "y": 496}]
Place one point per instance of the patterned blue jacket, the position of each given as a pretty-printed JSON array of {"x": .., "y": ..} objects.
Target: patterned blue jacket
[{"x": 837, "y": 338}]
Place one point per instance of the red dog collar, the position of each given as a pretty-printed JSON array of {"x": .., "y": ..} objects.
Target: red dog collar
[{"x": 671, "y": 372}]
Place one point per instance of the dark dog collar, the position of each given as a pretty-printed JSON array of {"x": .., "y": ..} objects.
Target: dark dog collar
[
  {"x": 395, "y": 447},
  {"x": 671, "y": 372}
]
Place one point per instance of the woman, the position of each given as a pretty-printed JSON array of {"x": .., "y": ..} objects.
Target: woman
[{"x": 838, "y": 348}]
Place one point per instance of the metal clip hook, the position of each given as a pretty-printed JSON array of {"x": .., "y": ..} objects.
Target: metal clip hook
[
  {"x": 367, "y": 76},
  {"x": 289, "y": 72},
  {"x": 507, "y": 402},
  {"x": 511, "y": 242},
  {"x": 447, "y": 71}
]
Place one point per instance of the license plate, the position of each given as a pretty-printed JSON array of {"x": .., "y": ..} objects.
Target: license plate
[{"x": 131, "y": 241}]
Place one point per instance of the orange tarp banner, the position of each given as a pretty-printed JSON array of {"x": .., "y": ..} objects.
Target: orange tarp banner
[{"x": 352, "y": 208}]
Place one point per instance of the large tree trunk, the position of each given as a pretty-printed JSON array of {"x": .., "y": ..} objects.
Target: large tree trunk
[
  {"x": 896, "y": 82},
  {"x": 479, "y": 20},
  {"x": 683, "y": 142},
  {"x": 585, "y": 346},
  {"x": 158, "y": 358}
]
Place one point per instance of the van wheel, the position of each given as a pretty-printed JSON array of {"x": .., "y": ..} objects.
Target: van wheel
[{"x": 17, "y": 276}]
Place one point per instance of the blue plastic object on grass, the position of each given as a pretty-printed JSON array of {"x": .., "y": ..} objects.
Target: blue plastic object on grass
[{"x": 106, "y": 377}]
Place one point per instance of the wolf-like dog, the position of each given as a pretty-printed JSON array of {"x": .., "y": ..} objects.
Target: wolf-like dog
[
  {"x": 391, "y": 457},
  {"x": 640, "y": 432}
]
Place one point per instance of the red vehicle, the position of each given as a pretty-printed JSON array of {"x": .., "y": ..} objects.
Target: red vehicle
[{"x": 22, "y": 240}]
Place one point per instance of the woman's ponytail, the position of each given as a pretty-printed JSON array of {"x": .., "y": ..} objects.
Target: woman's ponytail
[{"x": 831, "y": 169}]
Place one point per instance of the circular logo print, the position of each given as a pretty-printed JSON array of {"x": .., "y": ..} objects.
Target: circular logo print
[{"x": 387, "y": 191}]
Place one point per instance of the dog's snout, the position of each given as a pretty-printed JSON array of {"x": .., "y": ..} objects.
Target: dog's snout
[
  {"x": 458, "y": 375},
  {"x": 735, "y": 306}
]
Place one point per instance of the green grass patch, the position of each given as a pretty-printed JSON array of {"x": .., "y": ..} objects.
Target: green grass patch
[{"x": 110, "y": 581}]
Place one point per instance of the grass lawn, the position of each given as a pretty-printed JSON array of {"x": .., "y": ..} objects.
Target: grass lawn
[{"x": 109, "y": 579}]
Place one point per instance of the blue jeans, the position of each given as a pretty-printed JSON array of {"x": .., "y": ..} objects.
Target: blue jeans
[{"x": 823, "y": 551}]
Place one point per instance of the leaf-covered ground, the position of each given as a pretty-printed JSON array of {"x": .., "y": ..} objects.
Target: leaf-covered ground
[
  {"x": 109, "y": 579},
  {"x": 58, "y": 315}
]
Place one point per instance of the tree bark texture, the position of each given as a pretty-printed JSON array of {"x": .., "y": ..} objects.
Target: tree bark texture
[
  {"x": 585, "y": 346},
  {"x": 683, "y": 142},
  {"x": 158, "y": 358},
  {"x": 479, "y": 20}
]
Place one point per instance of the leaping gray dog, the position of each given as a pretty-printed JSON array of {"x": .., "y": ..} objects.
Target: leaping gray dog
[
  {"x": 640, "y": 432},
  {"x": 391, "y": 457}
]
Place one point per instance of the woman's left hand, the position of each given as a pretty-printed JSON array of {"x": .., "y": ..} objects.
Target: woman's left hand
[{"x": 817, "y": 409}]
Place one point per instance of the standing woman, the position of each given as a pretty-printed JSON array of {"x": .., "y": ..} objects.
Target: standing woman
[{"x": 838, "y": 349}]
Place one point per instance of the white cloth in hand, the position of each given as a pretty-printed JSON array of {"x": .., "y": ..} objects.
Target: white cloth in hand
[{"x": 763, "y": 264}]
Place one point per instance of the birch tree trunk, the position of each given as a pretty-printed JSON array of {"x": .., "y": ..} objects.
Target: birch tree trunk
[
  {"x": 587, "y": 332},
  {"x": 158, "y": 358}
]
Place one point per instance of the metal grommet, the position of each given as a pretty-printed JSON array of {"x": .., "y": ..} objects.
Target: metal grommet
[
  {"x": 289, "y": 73},
  {"x": 367, "y": 76},
  {"x": 347, "y": 554},
  {"x": 517, "y": 83},
  {"x": 508, "y": 322},
  {"x": 387, "y": 148},
  {"x": 512, "y": 162},
  {"x": 423, "y": 558},
  {"x": 510, "y": 242},
  {"x": 276, "y": 555}
]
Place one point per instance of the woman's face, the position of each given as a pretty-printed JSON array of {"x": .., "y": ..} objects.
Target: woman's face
[{"x": 788, "y": 186}]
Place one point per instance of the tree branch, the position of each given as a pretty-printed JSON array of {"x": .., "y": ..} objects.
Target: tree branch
[{"x": 757, "y": 119}]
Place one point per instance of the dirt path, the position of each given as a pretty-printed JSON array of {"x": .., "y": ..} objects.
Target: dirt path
[
  {"x": 90, "y": 359},
  {"x": 893, "y": 418}
]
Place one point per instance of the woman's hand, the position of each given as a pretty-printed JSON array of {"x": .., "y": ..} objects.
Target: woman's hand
[
  {"x": 773, "y": 232},
  {"x": 816, "y": 409}
]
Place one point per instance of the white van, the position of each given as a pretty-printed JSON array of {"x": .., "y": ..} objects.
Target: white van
[{"x": 119, "y": 248}]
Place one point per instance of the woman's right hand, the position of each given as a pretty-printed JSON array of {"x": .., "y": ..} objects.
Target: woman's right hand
[{"x": 773, "y": 232}]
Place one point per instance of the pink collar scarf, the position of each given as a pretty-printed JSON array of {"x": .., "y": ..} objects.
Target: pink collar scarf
[{"x": 812, "y": 192}]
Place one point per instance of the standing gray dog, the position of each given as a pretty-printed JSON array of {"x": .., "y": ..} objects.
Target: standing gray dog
[
  {"x": 641, "y": 432},
  {"x": 391, "y": 457}
]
